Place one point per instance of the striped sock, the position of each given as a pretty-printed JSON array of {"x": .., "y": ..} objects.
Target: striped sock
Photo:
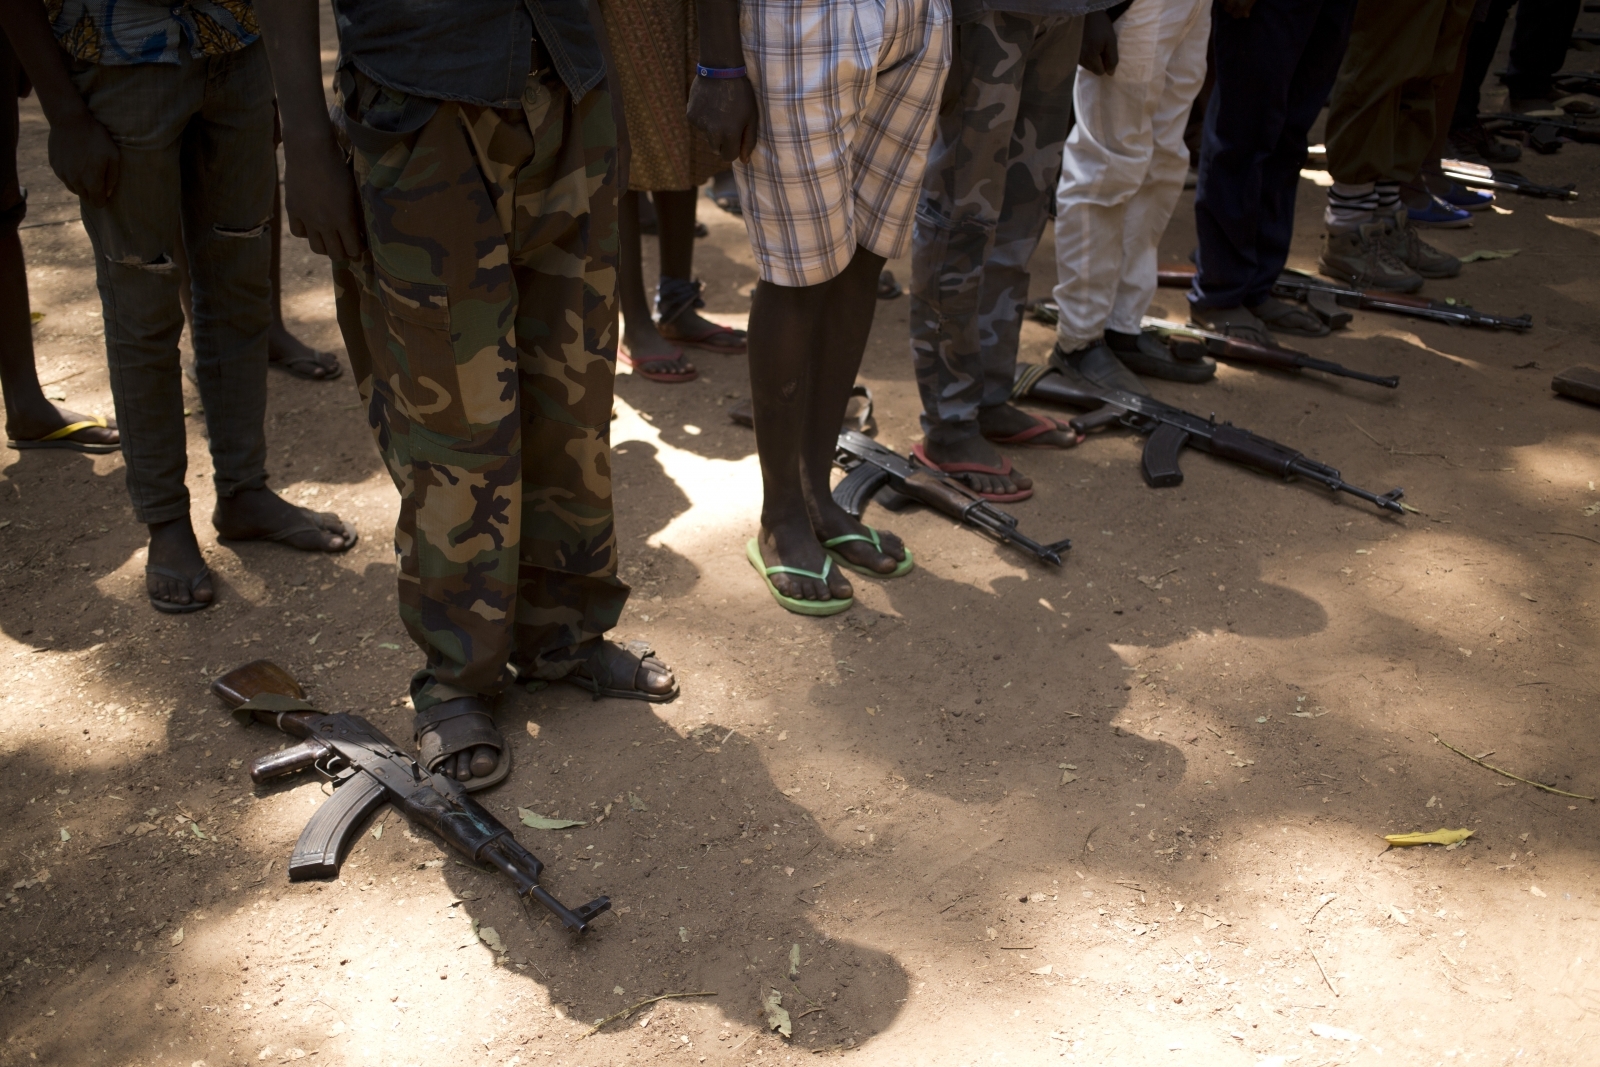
[
  {"x": 1388, "y": 194},
  {"x": 1351, "y": 205}
]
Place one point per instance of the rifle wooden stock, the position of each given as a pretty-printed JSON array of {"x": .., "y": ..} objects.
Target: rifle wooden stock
[
  {"x": 1175, "y": 275},
  {"x": 944, "y": 494}
]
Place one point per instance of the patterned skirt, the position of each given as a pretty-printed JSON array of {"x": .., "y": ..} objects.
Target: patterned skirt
[{"x": 653, "y": 49}]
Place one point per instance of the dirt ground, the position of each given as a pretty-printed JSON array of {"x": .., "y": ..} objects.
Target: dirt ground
[{"x": 998, "y": 813}]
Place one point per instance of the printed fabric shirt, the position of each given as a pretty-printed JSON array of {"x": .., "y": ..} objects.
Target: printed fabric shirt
[
  {"x": 126, "y": 32},
  {"x": 971, "y": 10}
]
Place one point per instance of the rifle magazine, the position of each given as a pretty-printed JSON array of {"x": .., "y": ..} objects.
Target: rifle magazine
[{"x": 326, "y": 839}]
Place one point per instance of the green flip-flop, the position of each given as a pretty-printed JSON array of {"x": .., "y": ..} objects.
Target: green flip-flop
[
  {"x": 831, "y": 606},
  {"x": 871, "y": 537}
]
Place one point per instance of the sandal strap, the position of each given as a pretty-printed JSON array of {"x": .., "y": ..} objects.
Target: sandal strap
[
  {"x": 479, "y": 729},
  {"x": 191, "y": 580},
  {"x": 827, "y": 565},
  {"x": 73, "y": 427},
  {"x": 603, "y": 662},
  {"x": 871, "y": 537}
]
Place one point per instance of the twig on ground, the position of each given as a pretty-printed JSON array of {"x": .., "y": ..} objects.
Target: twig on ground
[
  {"x": 1322, "y": 972},
  {"x": 1508, "y": 774},
  {"x": 1087, "y": 839},
  {"x": 629, "y": 1011},
  {"x": 1569, "y": 533},
  {"x": 1331, "y": 898}
]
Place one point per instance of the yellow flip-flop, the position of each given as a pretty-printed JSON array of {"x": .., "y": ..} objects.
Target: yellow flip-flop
[{"x": 61, "y": 438}]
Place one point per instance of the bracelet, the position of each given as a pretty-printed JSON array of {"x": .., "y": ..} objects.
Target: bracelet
[{"x": 719, "y": 72}]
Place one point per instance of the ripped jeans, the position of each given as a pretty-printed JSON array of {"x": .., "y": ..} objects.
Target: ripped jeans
[{"x": 198, "y": 166}]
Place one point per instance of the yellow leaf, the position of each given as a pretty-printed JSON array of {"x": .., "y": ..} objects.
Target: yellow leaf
[{"x": 1438, "y": 837}]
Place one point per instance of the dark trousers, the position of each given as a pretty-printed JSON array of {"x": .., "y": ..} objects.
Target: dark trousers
[
  {"x": 1538, "y": 49},
  {"x": 1273, "y": 70}
]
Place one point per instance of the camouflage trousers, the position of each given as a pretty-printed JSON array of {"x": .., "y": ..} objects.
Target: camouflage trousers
[
  {"x": 986, "y": 196},
  {"x": 481, "y": 325}
]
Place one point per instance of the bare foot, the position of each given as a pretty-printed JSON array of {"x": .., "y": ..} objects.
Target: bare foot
[
  {"x": 833, "y": 521},
  {"x": 173, "y": 547},
  {"x": 652, "y": 353},
  {"x": 977, "y": 450},
  {"x": 1005, "y": 420},
  {"x": 286, "y": 350},
  {"x": 797, "y": 546},
  {"x": 262, "y": 515},
  {"x": 37, "y": 423}
]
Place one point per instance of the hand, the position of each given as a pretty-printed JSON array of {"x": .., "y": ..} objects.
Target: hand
[
  {"x": 320, "y": 199},
  {"x": 724, "y": 109},
  {"x": 1239, "y": 9},
  {"x": 85, "y": 158},
  {"x": 1098, "y": 53}
]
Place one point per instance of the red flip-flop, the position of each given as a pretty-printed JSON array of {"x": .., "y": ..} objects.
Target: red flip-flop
[
  {"x": 716, "y": 338},
  {"x": 975, "y": 468},
  {"x": 1040, "y": 427},
  {"x": 642, "y": 367}
]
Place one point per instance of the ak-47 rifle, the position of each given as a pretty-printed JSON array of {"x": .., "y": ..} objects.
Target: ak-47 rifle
[
  {"x": 872, "y": 467},
  {"x": 1298, "y": 285},
  {"x": 1478, "y": 176},
  {"x": 368, "y": 771},
  {"x": 1238, "y": 350},
  {"x": 1171, "y": 429},
  {"x": 1545, "y": 131}
]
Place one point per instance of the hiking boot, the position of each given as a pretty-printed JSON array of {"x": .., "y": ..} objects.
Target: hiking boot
[
  {"x": 1098, "y": 365},
  {"x": 1363, "y": 258},
  {"x": 1477, "y": 145},
  {"x": 1409, "y": 248}
]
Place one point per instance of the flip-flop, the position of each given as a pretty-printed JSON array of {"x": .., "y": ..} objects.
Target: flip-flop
[
  {"x": 871, "y": 537},
  {"x": 305, "y": 525},
  {"x": 469, "y": 723},
  {"x": 1003, "y": 471},
  {"x": 735, "y": 344},
  {"x": 1040, "y": 427},
  {"x": 326, "y": 362},
  {"x": 59, "y": 438},
  {"x": 832, "y": 606},
  {"x": 641, "y": 367},
  {"x": 170, "y": 608},
  {"x": 600, "y": 673}
]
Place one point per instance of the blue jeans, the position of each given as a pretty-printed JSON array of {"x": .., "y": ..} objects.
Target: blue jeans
[
  {"x": 198, "y": 166},
  {"x": 1274, "y": 70}
]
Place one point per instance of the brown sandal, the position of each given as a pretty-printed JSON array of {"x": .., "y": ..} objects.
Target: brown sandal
[{"x": 612, "y": 670}]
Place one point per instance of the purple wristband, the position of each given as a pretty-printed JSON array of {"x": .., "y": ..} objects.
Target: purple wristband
[{"x": 719, "y": 72}]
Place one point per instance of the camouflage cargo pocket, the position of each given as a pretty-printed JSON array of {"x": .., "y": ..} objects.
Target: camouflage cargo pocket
[{"x": 417, "y": 365}]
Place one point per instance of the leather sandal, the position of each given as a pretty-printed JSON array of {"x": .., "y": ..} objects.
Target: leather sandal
[
  {"x": 612, "y": 670},
  {"x": 455, "y": 726}
]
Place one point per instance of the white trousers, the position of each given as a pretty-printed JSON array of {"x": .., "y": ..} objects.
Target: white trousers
[{"x": 1124, "y": 167}]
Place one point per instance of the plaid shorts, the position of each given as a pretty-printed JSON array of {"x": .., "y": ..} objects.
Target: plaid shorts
[{"x": 848, "y": 91}]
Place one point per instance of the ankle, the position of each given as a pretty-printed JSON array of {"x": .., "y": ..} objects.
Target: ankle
[{"x": 1122, "y": 342}]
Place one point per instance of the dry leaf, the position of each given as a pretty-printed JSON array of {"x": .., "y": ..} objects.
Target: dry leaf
[
  {"x": 794, "y": 962},
  {"x": 1437, "y": 837},
  {"x": 491, "y": 937},
  {"x": 777, "y": 1017},
  {"x": 177, "y": 938},
  {"x": 1398, "y": 916},
  {"x": 1334, "y": 1033},
  {"x": 1046, "y": 969},
  {"x": 636, "y": 804},
  {"x": 1536, "y": 891}
]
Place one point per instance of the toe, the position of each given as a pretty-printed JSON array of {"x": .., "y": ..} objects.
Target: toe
[
  {"x": 484, "y": 760},
  {"x": 462, "y": 766},
  {"x": 654, "y": 677},
  {"x": 838, "y": 587}
]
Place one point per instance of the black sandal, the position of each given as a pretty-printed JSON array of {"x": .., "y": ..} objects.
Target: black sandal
[
  {"x": 455, "y": 726},
  {"x": 607, "y": 672},
  {"x": 192, "y": 581}
]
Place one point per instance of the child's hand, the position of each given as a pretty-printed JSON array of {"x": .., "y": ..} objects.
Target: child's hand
[
  {"x": 85, "y": 158},
  {"x": 725, "y": 110},
  {"x": 321, "y": 202}
]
